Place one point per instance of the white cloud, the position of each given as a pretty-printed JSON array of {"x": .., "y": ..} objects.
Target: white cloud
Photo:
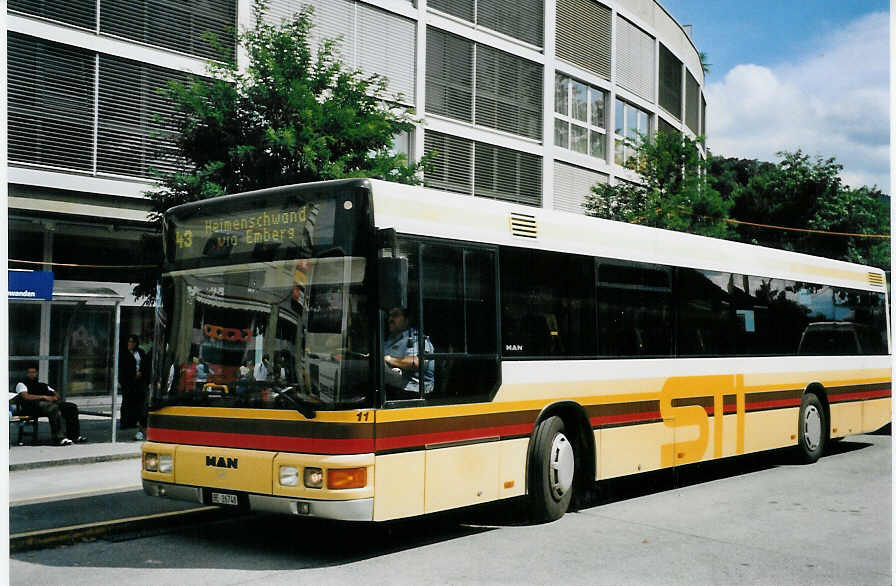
[{"x": 832, "y": 102}]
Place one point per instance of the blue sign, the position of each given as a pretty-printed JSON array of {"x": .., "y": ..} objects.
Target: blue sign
[{"x": 30, "y": 285}]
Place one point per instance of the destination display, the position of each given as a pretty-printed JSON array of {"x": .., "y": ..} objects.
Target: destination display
[{"x": 232, "y": 233}]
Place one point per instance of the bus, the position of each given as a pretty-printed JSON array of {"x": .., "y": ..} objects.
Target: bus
[{"x": 555, "y": 351}]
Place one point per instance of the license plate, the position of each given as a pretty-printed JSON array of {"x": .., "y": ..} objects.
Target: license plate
[{"x": 220, "y": 498}]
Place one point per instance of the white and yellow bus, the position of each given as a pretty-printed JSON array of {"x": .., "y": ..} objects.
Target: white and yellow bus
[{"x": 557, "y": 350}]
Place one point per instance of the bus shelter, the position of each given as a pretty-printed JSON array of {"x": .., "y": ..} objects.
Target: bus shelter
[{"x": 74, "y": 335}]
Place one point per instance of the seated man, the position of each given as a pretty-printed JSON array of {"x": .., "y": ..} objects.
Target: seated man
[
  {"x": 38, "y": 399},
  {"x": 400, "y": 354}
]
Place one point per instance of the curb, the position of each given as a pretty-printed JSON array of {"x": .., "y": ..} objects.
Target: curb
[
  {"x": 70, "y": 461},
  {"x": 68, "y": 535}
]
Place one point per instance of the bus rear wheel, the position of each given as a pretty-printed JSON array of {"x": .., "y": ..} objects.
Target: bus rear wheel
[
  {"x": 552, "y": 469},
  {"x": 813, "y": 429}
]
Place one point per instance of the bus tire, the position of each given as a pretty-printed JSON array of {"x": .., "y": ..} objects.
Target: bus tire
[
  {"x": 813, "y": 429},
  {"x": 551, "y": 471}
]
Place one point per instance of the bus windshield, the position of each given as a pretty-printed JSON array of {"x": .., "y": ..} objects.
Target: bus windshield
[{"x": 246, "y": 328}]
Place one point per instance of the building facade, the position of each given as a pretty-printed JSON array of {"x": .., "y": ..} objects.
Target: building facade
[{"x": 524, "y": 100}]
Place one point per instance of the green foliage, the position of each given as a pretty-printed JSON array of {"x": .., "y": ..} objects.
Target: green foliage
[
  {"x": 674, "y": 194},
  {"x": 704, "y": 63},
  {"x": 682, "y": 192},
  {"x": 804, "y": 193},
  {"x": 292, "y": 115}
]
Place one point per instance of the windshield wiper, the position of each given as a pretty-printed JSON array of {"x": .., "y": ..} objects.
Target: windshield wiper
[{"x": 304, "y": 404}]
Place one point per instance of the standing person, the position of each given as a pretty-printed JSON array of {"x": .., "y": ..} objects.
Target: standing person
[
  {"x": 263, "y": 368},
  {"x": 39, "y": 399},
  {"x": 401, "y": 351},
  {"x": 134, "y": 378},
  {"x": 203, "y": 371}
]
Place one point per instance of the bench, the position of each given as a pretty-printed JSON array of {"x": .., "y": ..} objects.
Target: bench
[{"x": 22, "y": 422}]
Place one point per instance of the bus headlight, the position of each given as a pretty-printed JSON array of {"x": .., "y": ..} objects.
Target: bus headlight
[
  {"x": 150, "y": 462},
  {"x": 289, "y": 476},
  {"x": 314, "y": 478},
  {"x": 166, "y": 463}
]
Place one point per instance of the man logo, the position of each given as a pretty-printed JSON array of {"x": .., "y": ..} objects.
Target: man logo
[{"x": 220, "y": 462}]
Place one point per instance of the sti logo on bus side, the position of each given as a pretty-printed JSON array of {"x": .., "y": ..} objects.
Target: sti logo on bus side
[{"x": 219, "y": 462}]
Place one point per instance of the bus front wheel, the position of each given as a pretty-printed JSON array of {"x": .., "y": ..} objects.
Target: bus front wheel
[
  {"x": 552, "y": 471},
  {"x": 813, "y": 429}
]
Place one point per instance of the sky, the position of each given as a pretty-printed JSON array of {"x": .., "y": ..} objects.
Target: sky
[{"x": 797, "y": 74}]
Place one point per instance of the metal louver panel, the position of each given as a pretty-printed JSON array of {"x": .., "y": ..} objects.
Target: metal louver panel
[
  {"x": 523, "y": 225},
  {"x": 50, "y": 103},
  {"x": 692, "y": 103},
  {"x": 367, "y": 38},
  {"x": 452, "y": 166},
  {"x": 508, "y": 175},
  {"x": 387, "y": 45},
  {"x": 449, "y": 75},
  {"x": 670, "y": 82},
  {"x": 635, "y": 70},
  {"x": 508, "y": 92},
  {"x": 173, "y": 24},
  {"x": 332, "y": 19},
  {"x": 464, "y": 9},
  {"x": 520, "y": 19},
  {"x": 876, "y": 279},
  {"x": 129, "y": 141},
  {"x": 76, "y": 12},
  {"x": 484, "y": 170},
  {"x": 572, "y": 185},
  {"x": 584, "y": 30}
]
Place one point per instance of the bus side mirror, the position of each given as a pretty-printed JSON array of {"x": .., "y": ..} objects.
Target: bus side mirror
[{"x": 393, "y": 279}]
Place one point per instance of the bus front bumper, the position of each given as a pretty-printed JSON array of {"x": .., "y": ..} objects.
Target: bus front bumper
[{"x": 346, "y": 510}]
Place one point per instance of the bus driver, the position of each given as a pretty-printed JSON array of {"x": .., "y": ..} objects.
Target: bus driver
[{"x": 401, "y": 349}]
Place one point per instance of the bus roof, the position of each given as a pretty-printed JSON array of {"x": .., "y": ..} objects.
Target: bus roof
[{"x": 430, "y": 212}]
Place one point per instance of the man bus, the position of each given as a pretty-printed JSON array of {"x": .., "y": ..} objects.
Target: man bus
[{"x": 556, "y": 350}]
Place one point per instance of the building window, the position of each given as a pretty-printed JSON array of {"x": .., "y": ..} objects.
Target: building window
[
  {"x": 635, "y": 58},
  {"x": 520, "y": 19},
  {"x": 631, "y": 124},
  {"x": 130, "y": 141},
  {"x": 481, "y": 169},
  {"x": 50, "y": 107},
  {"x": 173, "y": 24},
  {"x": 80, "y": 13},
  {"x": 505, "y": 93},
  {"x": 692, "y": 103},
  {"x": 580, "y": 119},
  {"x": 670, "y": 82},
  {"x": 584, "y": 31},
  {"x": 508, "y": 92}
]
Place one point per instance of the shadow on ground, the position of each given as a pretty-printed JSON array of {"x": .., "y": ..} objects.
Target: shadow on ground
[{"x": 270, "y": 542}]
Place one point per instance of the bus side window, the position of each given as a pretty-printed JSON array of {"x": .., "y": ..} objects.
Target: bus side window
[
  {"x": 458, "y": 286},
  {"x": 548, "y": 304}
]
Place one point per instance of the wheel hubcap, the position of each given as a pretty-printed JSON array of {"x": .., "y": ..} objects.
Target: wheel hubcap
[
  {"x": 562, "y": 466},
  {"x": 812, "y": 427}
]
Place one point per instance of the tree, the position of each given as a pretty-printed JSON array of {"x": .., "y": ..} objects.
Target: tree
[
  {"x": 704, "y": 63},
  {"x": 853, "y": 211},
  {"x": 293, "y": 115},
  {"x": 786, "y": 194},
  {"x": 674, "y": 193},
  {"x": 796, "y": 203}
]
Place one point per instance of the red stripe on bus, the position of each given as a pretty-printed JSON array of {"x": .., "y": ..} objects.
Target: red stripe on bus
[
  {"x": 422, "y": 439},
  {"x": 780, "y": 403},
  {"x": 261, "y": 442},
  {"x": 876, "y": 394},
  {"x": 624, "y": 418}
]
